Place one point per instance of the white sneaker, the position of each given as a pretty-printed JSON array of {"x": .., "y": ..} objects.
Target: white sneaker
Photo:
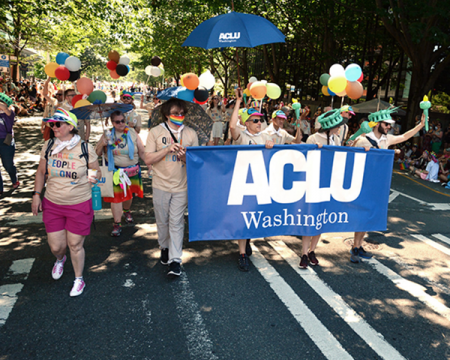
[
  {"x": 78, "y": 287},
  {"x": 58, "y": 268}
]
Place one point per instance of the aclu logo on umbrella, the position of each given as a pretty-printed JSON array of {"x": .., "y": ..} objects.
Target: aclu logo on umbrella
[{"x": 229, "y": 37}]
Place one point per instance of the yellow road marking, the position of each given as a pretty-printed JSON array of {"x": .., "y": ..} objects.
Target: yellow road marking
[{"x": 441, "y": 193}]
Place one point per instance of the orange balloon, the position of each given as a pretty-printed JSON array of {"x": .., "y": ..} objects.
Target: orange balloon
[
  {"x": 258, "y": 90},
  {"x": 191, "y": 81},
  {"x": 114, "y": 74},
  {"x": 113, "y": 55},
  {"x": 354, "y": 90},
  {"x": 325, "y": 91}
]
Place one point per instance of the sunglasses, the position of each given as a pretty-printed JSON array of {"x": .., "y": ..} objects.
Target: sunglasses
[
  {"x": 59, "y": 94},
  {"x": 57, "y": 124},
  {"x": 119, "y": 122},
  {"x": 177, "y": 114},
  {"x": 215, "y": 99},
  {"x": 387, "y": 124},
  {"x": 255, "y": 121}
]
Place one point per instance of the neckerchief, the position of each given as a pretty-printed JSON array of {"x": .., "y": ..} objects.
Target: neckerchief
[
  {"x": 69, "y": 144},
  {"x": 271, "y": 130}
]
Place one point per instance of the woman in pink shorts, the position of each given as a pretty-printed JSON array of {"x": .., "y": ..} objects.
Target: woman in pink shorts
[{"x": 67, "y": 205}]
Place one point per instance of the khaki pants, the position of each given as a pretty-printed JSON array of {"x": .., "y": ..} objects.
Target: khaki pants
[{"x": 169, "y": 214}]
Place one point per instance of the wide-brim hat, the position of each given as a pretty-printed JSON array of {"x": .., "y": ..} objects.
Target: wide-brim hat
[
  {"x": 332, "y": 119},
  {"x": 63, "y": 116}
]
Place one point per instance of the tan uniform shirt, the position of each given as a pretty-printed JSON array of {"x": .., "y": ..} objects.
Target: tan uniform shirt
[
  {"x": 285, "y": 137},
  {"x": 121, "y": 154},
  {"x": 321, "y": 138},
  {"x": 383, "y": 143},
  {"x": 246, "y": 139}
]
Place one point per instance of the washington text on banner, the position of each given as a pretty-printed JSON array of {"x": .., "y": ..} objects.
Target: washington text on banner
[{"x": 240, "y": 192}]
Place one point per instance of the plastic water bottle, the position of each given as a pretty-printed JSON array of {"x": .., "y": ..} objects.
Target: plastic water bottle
[
  {"x": 108, "y": 136},
  {"x": 96, "y": 198}
]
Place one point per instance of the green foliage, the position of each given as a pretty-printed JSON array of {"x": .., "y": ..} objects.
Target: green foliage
[{"x": 441, "y": 103}]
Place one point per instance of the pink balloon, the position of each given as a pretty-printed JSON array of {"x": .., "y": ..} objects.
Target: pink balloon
[{"x": 85, "y": 86}]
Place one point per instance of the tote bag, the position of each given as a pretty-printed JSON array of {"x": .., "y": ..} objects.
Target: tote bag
[{"x": 106, "y": 182}]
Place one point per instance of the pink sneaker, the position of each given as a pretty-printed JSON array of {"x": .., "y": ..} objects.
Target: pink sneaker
[
  {"x": 78, "y": 287},
  {"x": 58, "y": 268},
  {"x": 16, "y": 185}
]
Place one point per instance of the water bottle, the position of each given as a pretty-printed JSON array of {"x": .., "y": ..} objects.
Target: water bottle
[
  {"x": 108, "y": 136},
  {"x": 96, "y": 198}
]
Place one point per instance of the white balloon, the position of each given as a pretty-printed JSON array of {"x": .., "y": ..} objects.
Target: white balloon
[
  {"x": 124, "y": 60},
  {"x": 72, "y": 63},
  {"x": 337, "y": 70},
  {"x": 207, "y": 80},
  {"x": 155, "y": 71},
  {"x": 264, "y": 81},
  {"x": 252, "y": 79},
  {"x": 148, "y": 70}
]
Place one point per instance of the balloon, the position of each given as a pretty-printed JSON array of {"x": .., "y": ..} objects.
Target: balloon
[
  {"x": 337, "y": 70},
  {"x": 201, "y": 95},
  {"x": 85, "y": 86},
  {"x": 81, "y": 103},
  {"x": 62, "y": 73},
  {"x": 337, "y": 84},
  {"x": 113, "y": 55},
  {"x": 342, "y": 93},
  {"x": 207, "y": 80},
  {"x": 155, "y": 71},
  {"x": 325, "y": 91},
  {"x": 111, "y": 65},
  {"x": 247, "y": 92},
  {"x": 97, "y": 95},
  {"x": 330, "y": 92},
  {"x": 148, "y": 70},
  {"x": 252, "y": 79},
  {"x": 74, "y": 75},
  {"x": 73, "y": 63},
  {"x": 200, "y": 102},
  {"x": 324, "y": 79},
  {"x": 76, "y": 98},
  {"x": 273, "y": 91},
  {"x": 61, "y": 58},
  {"x": 50, "y": 69},
  {"x": 296, "y": 106},
  {"x": 190, "y": 81},
  {"x": 181, "y": 80},
  {"x": 122, "y": 70},
  {"x": 258, "y": 90},
  {"x": 155, "y": 61},
  {"x": 186, "y": 95},
  {"x": 124, "y": 60},
  {"x": 354, "y": 90},
  {"x": 353, "y": 72},
  {"x": 361, "y": 78},
  {"x": 114, "y": 74}
]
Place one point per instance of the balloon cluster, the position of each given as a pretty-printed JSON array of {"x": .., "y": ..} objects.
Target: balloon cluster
[
  {"x": 156, "y": 68},
  {"x": 196, "y": 88},
  {"x": 88, "y": 95},
  {"x": 343, "y": 82},
  {"x": 65, "y": 68},
  {"x": 118, "y": 65},
  {"x": 259, "y": 89}
]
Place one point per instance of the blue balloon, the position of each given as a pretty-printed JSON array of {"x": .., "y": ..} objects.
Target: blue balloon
[
  {"x": 61, "y": 58},
  {"x": 128, "y": 67},
  {"x": 353, "y": 72},
  {"x": 186, "y": 95},
  {"x": 330, "y": 92}
]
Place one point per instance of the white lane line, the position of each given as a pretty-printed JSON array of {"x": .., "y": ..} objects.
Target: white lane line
[
  {"x": 21, "y": 267},
  {"x": 393, "y": 196},
  {"x": 442, "y": 238},
  {"x": 319, "y": 334},
  {"x": 416, "y": 290},
  {"x": 8, "y": 297},
  {"x": 411, "y": 197},
  {"x": 198, "y": 341},
  {"x": 374, "y": 339},
  {"x": 432, "y": 243}
]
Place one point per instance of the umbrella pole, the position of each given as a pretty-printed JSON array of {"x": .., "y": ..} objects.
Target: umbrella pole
[{"x": 237, "y": 62}]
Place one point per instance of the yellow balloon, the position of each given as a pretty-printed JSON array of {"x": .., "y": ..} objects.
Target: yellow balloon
[
  {"x": 247, "y": 92},
  {"x": 337, "y": 84},
  {"x": 50, "y": 69},
  {"x": 81, "y": 103},
  {"x": 325, "y": 91}
]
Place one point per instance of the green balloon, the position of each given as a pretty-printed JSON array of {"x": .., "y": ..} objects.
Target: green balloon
[
  {"x": 324, "y": 79},
  {"x": 97, "y": 95}
]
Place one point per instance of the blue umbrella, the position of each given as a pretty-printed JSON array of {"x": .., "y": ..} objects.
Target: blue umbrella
[
  {"x": 178, "y": 92},
  {"x": 234, "y": 30},
  {"x": 99, "y": 111}
]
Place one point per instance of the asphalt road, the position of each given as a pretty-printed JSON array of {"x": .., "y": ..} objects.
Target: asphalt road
[{"x": 396, "y": 306}]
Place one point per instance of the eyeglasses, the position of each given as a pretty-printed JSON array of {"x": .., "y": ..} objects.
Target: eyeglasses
[
  {"x": 59, "y": 94},
  {"x": 255, "y": 121},
  {"x": 215, "y": 99},
  {"x": 71, "y": 94},
  {"x": 57, "y": 124},
  {"x": 119, "y": 122}
]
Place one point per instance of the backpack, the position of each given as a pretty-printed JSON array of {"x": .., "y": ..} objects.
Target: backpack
[{"x": 84, "y": 153}]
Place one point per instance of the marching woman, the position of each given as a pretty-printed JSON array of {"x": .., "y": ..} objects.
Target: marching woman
[
  {"x": 328, "y": 134},
  {"x": 215, "y": 112},
  {"x": 122, "y": 153},
  {"x": 67, "y": 204}
]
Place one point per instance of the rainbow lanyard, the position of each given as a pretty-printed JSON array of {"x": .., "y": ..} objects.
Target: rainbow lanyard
[{"x": 177, "y": 120}]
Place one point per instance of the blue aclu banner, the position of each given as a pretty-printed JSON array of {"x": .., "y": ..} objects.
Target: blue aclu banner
[{"x": 240, "y": 192}]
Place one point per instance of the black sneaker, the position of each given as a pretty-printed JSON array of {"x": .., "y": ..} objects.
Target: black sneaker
[
  {"x": 364, "y": 254},
  {"x": 164, "y": 258},
  {"x": 354, "y": 255},
  {"x": 243, "y": 262},
  {"x": 248, "y": 248},
  {"x": 174, "y": 269},
  {"x": 304, "y": 262},
  {"x": 312, "y": 258}
]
